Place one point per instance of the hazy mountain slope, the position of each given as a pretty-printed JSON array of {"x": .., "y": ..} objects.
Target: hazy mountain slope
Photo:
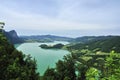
[
  {"x": 85, "y": 39},
  {"x": 45, "y": 38}
]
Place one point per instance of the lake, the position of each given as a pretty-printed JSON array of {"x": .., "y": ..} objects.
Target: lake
[{"x": 45, "y": 57}]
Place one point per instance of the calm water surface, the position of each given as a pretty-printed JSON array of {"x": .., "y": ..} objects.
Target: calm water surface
[{"x": 45, "y": 57}]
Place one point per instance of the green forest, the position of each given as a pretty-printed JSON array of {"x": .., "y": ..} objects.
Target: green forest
[
  {"x": 91, "y": 60},
  {"x": 59, "y": 39},
  {"x": 14, "y": 65},
  {"x": 94, "y": 60},
  {"x": 56, "y": 46}
]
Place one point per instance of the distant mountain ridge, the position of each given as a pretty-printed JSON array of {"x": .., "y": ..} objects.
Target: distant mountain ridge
[
  {"x": 86, "y": 39},
  {"x": 45, "y": 38},
  {"x": 13, "y": 37}
]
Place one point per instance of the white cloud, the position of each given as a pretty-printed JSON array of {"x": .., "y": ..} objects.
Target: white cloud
[
  {"x": 70, "y": 15},
  {"x": 35, "y": 21}
]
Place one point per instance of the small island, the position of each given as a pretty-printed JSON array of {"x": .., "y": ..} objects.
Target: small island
[{"x": 56, "y": 46}]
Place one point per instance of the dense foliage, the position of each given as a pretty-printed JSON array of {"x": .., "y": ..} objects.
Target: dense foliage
[
  {"x": 89, "y": 61},
  {"x": 65, "y": 70},
  {"x": 74, "y": 67},
  {"x": 14, "y": 65},
  {"x": 56, "y": 46}
]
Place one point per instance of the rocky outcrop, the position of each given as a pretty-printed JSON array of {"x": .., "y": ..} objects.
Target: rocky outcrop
[{"x": 13, "y": 37}]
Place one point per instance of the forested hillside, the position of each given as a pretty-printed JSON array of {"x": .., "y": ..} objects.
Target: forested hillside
[
  {"x": 85, "y": 39},
  {"x": 105, "y": 44},
  {"x": 14, "y": 65},
  {"x": 85, "y": 67},
  {"x": 84, "y": 63},
  {"x": 88, "y": 61}
]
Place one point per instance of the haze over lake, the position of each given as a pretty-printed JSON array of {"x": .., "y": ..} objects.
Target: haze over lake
[{"x": 45, "y": 57}]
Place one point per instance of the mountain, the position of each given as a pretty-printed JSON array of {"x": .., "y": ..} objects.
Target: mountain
[
  {"x": 13, "y": 37},
  {"x": 44, "y": 38},
  {"x": 104, "y": 44},
  {"x": 85, "y": 39}
]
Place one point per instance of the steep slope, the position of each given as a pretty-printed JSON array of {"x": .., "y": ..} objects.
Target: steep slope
[
  {"x": 14, "y": 65},
  {"x": 13, "y": 37}
]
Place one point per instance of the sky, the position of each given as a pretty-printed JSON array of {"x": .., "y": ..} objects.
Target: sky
[{"x": 70, "y": 18}]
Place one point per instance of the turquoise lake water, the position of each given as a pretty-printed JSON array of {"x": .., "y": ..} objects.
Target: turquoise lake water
[{"x": 45, "y": 57}]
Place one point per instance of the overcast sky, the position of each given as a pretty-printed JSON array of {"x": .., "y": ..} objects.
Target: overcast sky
[{"x": 61, "y": 17}]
